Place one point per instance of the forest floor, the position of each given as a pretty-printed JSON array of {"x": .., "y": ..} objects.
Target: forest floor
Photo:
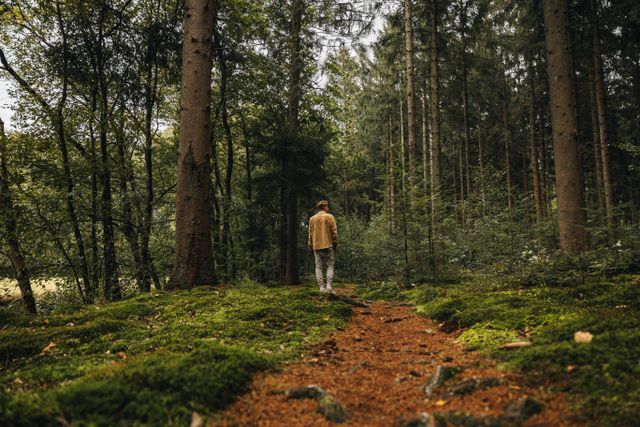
[{"x": 375, "y": 371}]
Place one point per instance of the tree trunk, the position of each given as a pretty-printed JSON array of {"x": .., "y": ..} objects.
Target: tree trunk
[
  {"x": 507, "y": 157},
  {"x": 411, "y": 104},
  {"x": 8, "y": 216},
  {"x": 392, "y": 191},
  {"x": 425, "y": 143},
  {"x": 403, "y": 196},
  {"x": 481, "y": 167},
  {"x": 602, "y": 114},
  {"x": 292, "y": 276},
  {"x": 465, "y": 99},
  {"x": 571, "y": 212},
  {"x": 597, "y": 153},
  {"x": 224, "y": 114},
  {"x": 435, "y": 121},
  {"x": 150, "y": 97},
  {"x": 112, "y": 289},
  {"x": 533, "y": 152},
  {"x": 128, "y": 229},
  {"x": 544, "y": 164},
  {"x": 194, "y": 264}
]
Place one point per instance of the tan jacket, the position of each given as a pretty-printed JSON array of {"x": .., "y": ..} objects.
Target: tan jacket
[{"x": 323, "y": 232}]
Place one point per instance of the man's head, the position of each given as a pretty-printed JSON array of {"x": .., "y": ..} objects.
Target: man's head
[{"x": 323, "y": 205}]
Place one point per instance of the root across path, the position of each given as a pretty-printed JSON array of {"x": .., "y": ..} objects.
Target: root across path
[{"x": 379, "y": 371}]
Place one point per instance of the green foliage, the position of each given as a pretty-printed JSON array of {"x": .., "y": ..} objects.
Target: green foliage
[
  {"x": 601, "y": 376},
  {"x": 155, "y": 358},
  {"x": 384, "y": 290}
]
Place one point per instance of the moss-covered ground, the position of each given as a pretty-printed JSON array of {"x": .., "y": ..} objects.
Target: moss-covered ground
[
  {"x": 155, "y": 358},
  {"x": 601, "y": 378}
]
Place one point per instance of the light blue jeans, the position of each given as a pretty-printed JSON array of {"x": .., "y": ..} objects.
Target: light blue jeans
[{"x": 324, "y": 260}]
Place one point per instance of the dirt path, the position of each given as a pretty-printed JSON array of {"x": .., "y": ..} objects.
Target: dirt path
[{"x": 376, "y": 368}]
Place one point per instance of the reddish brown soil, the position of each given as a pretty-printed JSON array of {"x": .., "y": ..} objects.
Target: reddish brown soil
[{"x": 376, "y": 367}]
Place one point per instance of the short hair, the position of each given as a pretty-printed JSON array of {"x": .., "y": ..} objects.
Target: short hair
[{"x": 321, "y": 204}]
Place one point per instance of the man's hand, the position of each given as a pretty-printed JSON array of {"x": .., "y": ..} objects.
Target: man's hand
[{"x": 335, "y": 247}]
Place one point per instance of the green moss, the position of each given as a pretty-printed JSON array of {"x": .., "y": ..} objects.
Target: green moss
[
  {"x": 387, "y": 291},
  {"x": 155, "y": 358},
  {"x": 484, "y": 335},
  {"x": 602, "y": 377}
]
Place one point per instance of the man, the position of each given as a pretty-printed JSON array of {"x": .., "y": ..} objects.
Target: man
[{"x": 323, "y": 241}]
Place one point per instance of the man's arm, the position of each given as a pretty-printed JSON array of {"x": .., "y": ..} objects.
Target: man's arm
[
  {"x": 310, "y": 234},
  {"x": 334, "y": 232}
]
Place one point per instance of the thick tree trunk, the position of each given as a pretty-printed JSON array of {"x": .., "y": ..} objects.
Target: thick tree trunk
[
  {"x": 8, "y": 216},
  {"x": 193, "y": 263},
  {"x": 602, "y": 114},
  {"x": 571, "y": 212},
  {"x": 411, "y": 104},
  {"x": 292, "y": 275}
]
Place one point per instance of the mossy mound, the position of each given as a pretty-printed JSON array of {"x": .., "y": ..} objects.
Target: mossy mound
[
  {"x": 155, "y": 358},
  {"x": 601, "y": 377}
]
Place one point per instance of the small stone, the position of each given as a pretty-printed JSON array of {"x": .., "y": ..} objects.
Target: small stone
[
  {"x": 442, "y": 374},
  {"x": 306, "y": 392},
  {"x": 582, "y": 337},
  {"x": 522, "y": 409},
  {"x": 332, "y": 409},
  {"x": 472, "y": 384}
]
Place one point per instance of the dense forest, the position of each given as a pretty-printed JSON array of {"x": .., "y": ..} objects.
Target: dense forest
[{"x": 162, "y": 145}]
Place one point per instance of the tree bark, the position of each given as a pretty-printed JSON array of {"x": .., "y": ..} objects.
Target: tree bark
[
  {"x": 193, "y": 263},
  {"x": 292, "y": 276},
  {"x": 150, "y": 99},
  {"x": 571, "y": 212},
  {"x": 425, "y": 144},
  {"x": 533, "y": 152},
  {"x": 8, "y": 216},
  {"x": 435, "y": 121},
  {"x": 411, "y": 104},
  {"x": 226, "y": 239},
  {"x": 602, "y": 114},
  {"x": 597, "y": 153},
  {"x": 465, "y": 98}
]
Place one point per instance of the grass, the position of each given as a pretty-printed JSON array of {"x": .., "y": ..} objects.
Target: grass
[
  {"x": 602, "y": 378},
  {"x": 154, "y": 358}
]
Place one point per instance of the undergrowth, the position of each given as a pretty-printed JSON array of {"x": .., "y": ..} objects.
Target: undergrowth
[{"x": 155, "y": 358}]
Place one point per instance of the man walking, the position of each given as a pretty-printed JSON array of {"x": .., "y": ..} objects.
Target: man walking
[{"x": 323, "y": 241}]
